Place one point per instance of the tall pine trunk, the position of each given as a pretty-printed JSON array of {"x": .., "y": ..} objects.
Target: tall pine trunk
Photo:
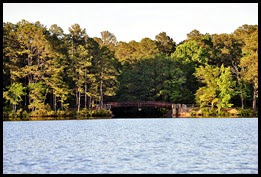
[
  {"x": 90, "y": 102},
  {"x": 85, "y": 89},
  {"x": 101, "y": 94},
  {"x": 76, "y": 95},
  {"x": 79, "y": 101},
  {"x": 241, "y": 96},
  {"x": 254, "y": 98},
  {"x": 25, "y": 96},
  {"x": 54, "y": 102},
  {"x": 236, "y": 71},
  {"x": 14, "y": 107},
  {"x": 242, "y": 100},
  {"x": 85, "y": 96}
]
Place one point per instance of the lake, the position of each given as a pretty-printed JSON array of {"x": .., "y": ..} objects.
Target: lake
[{"x": 160, "y": 145}]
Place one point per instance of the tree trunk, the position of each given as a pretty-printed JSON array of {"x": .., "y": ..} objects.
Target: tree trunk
[
  {"x": 30, "y": 77},
  {"x": 45, "y": 95},
  {"x": 79, "y": 101},
  {"x": 54, "y": 102},
  {"x": 236, "y": 71},
  {"x": 241, "y": 96},
  {"x": 25, "y": 101},
  {"x": 14, "y": 107},
  {"x": 242, "y": 101},
  {"x": 76, "y": 95},
  {"x": 90, "y": 102},
  {"x": 25, "y": 95},
  {"x": 254, "y": 98},
  {"x": 85, "y": 96},
  {"x": 85, "y": 90},
  {"x": 101, "y": 95}
]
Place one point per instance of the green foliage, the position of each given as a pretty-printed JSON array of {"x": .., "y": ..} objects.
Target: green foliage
[
  {"x": 165, "y": 44},
  {"x": 248, "y": 36},
  {"x": 64, "y": 113},
  {"x": 134, "y": 51},
  {"x": 189, "y": 52},
  {"x": 20, "y": 114},
  {"x": 83, "y": 113},
  {"x": 48, "y": 72},
  {"x": 11, "y": 62},
  {"x": 219, "y": 86},
  {"x": 225, "y": 85},
  {"x": 194, "y": 35},
  {"x": 209, "y": 112},
  {"x": 189, "y": 55},
  {"x": 226, "y": 51},
  {"x": 247, "y": 113},
  {"x": 14, "y": 94},
  {"x": 37, "y": 97},
  {"x": 105, "y": 66},
  {"x": 108, "y": 39},
  {"x": 152, "y": 79},
  {"x": 101, "y": 113},
  {"x": 87, "y": 113},
  {"x": 249, "y": 63}
]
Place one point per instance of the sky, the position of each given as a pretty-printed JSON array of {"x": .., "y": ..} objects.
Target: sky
[{"x": 134, "y": 21}]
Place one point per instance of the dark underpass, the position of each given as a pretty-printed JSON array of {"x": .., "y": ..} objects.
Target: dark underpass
[{"x": 138, "y": 112}]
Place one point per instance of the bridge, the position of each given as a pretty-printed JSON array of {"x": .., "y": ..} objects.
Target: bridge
[{"x": 177, "y": 110}]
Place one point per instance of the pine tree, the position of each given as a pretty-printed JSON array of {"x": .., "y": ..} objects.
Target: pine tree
[{"x": 105, "y": 65}]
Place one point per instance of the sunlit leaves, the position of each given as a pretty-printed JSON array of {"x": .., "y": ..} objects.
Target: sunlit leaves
[
  {"x": 14, "y": 93},
  {"x": 218, "y": 89}
]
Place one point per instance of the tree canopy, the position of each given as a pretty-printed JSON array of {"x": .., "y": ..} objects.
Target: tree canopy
[{"x": 46, "y": 69}]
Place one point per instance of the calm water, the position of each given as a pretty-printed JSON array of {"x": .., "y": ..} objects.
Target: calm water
[{"x": 131, "y": 146}]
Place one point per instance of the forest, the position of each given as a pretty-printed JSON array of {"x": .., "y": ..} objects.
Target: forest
[{"x": 49, "y": 73}]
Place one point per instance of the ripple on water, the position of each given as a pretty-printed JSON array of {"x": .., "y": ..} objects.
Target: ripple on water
[{"x": 131, "y": 146}]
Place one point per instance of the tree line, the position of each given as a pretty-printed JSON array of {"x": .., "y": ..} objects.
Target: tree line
[{"x": 48, "y": 70}]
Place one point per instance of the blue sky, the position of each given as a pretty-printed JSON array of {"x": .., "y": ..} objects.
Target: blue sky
[{"x": 134, "y": 21}]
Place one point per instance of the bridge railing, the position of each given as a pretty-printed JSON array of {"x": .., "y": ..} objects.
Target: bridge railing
[
  {"x": 141, "y": 103},
  {"x": 148, "y": 103}
]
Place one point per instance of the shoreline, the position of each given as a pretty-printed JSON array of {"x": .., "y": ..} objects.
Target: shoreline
[
  {"x": 86, "y": 114},
  {"x": 100, "y": 118}
]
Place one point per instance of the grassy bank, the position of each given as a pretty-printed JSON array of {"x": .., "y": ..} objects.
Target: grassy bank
[
  {"x": 226, "y": 112},
  {"x": 103, "y": 113},
  {"x": 59, "y": 115}
]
